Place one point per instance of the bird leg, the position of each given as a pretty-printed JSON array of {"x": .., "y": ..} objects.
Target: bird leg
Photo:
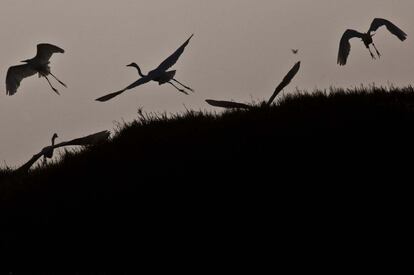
[
  {"x": 58, "y": 80},
  {"x": 50, "y": 84},
  {"x": 379, "y": 55},
  {"x": 372, "y": 55},
  {"x": 181, "y": 90},
  {"x": 188, "y": 88}
]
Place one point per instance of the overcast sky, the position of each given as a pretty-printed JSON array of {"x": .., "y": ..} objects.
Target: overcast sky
[{"x": 240, "y": 51}]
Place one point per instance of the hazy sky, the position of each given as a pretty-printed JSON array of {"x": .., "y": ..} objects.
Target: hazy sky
[{"x": 240, "y": 51}]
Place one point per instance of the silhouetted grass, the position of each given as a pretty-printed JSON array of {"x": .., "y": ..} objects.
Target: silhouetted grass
[{"x": 161, "y": 170}]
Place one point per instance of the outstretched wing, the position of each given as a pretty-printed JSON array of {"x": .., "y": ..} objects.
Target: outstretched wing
[
  {"x": 345, "y": 46},
  {"x": 93, "y": 139},
  {"x": 15, "y": 75},
  {"x": 378, "y": 22},
  {"x": 172, "y": 59},
  {"x": 227, "y": 104},
  {"x": 286, "y": 80},
  {"x": 45, "y": 51},
  {"x": 139, "y": 82}
]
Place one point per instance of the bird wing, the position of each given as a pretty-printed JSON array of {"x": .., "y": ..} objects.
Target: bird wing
[
  {"x": 345, "y": 46},
  {"x": 15, "y": 75},
  {"x": 286, "y": 80},
  {"x": 93, "y": 139},
  {"x": 139, "y": 82},
  {"x": 172, "y": 59},
  {"x": 378, "y": 22},
  {"x": 227, "y": 104},
  {"x": 45, "y": 51}
]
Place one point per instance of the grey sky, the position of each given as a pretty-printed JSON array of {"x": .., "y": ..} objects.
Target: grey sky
[{"x": 241, "y": 50}]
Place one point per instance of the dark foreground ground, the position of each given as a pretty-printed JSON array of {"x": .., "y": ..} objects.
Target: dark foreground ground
[{"x": 202, "y": 180}]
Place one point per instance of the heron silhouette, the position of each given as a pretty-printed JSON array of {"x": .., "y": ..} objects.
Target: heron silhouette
[
  {"x": 160, "y": 74},
  {"x": 48, "y": 151},
  {"x": 345, "y": 46},
  {"x": 237, "y": 105},
  {"x": 38, "y": 64}
]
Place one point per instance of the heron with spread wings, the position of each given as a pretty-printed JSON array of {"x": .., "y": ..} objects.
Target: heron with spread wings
[
  {"x": 345, "y": 46},
  {"x": 160, "y": 75},
  {"x": 236, "y": 105},
  {"x": 47, "y": 152},
  {"x": 37, "y": 65}
]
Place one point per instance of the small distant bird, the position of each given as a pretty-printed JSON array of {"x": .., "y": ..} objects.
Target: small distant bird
[
  {"x": 345, "y": 46},
  {"x": 160, "y": 74},
  {"x": 47, "y": 152},
  {"x": 39, "y": 64},
  {"x": 295, "y": 51}
]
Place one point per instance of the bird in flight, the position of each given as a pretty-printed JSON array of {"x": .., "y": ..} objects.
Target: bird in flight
[
  {"x": 345, "y": 46},
  {"x": 47, "y": 152},
  {"x": 295, "y": 51},
  {"x": 236, "y": 105},
  {"x": 160, "y": 75},
  {"x": 38, "y": 64}
]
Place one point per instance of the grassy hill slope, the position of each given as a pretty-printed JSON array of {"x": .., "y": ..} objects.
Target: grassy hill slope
[{"x": 158, "y": 173}]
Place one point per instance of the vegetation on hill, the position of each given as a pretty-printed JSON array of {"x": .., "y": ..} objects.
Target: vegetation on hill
[{"x": 166, "y": 170}]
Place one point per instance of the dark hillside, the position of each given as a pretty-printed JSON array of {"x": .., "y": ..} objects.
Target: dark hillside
[{"x": 171, "y": 178}]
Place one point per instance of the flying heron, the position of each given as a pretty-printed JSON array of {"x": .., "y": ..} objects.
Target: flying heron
[
  {"x": 38, "y": 64},
  {"x": 160, "y": 75},
  {"x": 345, "y": 46},
  {"x": 236, "y": 105}
]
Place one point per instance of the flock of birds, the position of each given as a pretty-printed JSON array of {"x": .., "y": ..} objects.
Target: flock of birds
[{"x": 162, "y": 74}]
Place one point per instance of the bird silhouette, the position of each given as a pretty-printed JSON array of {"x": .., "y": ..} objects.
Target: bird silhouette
[
  {"x": 47, "y": 152},
  {"x": 160, "y": 74},
  {"x": 345, "y": 46},
  {"x": 295, "y": 51},
  {"x": 237, "y": 105},
  {"x": 38, "y": 64}
]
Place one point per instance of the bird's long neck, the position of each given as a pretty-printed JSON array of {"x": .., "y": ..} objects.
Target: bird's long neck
[
  {"x": 139, "y": 70},
  {"x": 53, "y": 140}
]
